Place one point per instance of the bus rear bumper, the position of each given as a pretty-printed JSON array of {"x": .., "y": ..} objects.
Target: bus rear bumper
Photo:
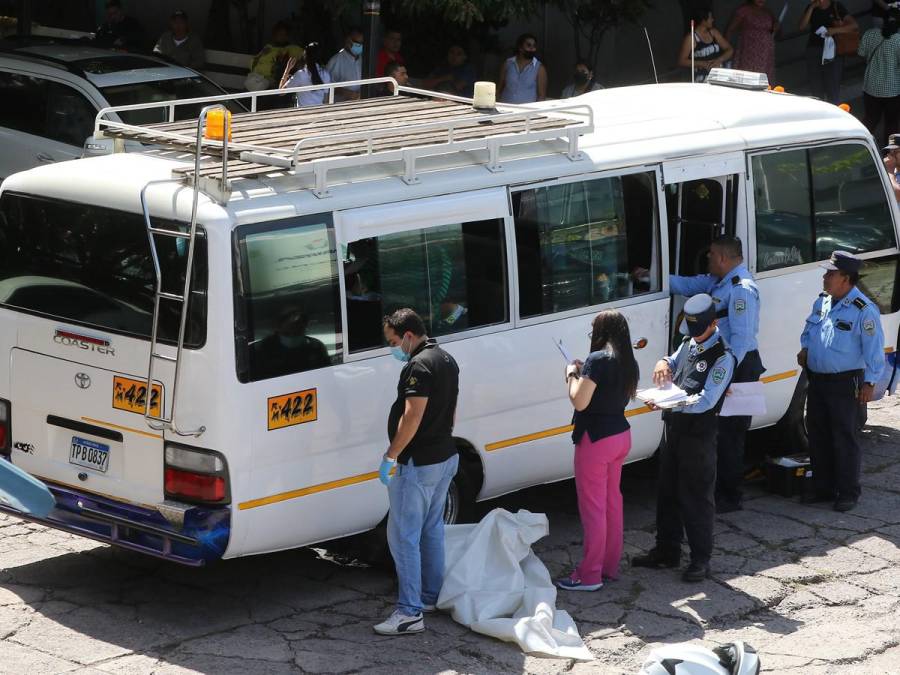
[{"x": 202, "y": 539}]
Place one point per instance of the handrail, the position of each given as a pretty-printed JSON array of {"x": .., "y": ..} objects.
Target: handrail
[
  {"x": 252, "y": 95},
  {"x": 518, "y": 112}
]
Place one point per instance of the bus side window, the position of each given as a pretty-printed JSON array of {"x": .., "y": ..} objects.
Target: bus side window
[
  {"x": 852, "y": 212},
  {"x": 287, "y": 297},
  {"x": 453, "y": 276},
  {"x": 815, "y": 201},
  {"x": 585, "y": 243}
]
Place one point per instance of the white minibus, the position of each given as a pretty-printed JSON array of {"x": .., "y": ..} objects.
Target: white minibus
[{"x": 192, "y": 345}]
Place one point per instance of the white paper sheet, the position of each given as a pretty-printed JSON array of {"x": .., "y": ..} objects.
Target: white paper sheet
[
  {"x": 666, "y": 397},
  {"x": 744, "y": 398}
]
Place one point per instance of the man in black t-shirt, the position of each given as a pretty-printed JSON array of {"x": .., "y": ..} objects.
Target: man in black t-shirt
[{"x": 422, "y": 451}]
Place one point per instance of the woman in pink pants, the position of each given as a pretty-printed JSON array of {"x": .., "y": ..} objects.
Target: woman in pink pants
[{"x": 599, "y": 389}]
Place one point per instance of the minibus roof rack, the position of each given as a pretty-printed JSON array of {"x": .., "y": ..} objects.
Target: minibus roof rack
[{"x": 393, "y": 131}]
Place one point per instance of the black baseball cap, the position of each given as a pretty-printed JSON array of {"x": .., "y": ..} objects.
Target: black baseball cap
[{"x": 842, "y": 261}]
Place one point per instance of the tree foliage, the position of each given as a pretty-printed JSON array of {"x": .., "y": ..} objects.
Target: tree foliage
[
  {"x": 591, "y": 19},
  {"x": 468, "y": 12}
]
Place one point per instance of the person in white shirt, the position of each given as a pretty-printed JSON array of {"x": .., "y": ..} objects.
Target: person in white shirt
[
  {"x": 312, "y": 73},
  {"x": 346, "y": 65}
]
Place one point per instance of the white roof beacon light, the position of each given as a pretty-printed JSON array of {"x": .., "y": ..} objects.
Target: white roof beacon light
[{"x": 740, "y": 79}]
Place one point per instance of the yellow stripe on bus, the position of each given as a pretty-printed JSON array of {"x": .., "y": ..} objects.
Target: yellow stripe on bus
[
  {"x": 490, "y": 447},
  {"x": 362, "y": 478},
  {"x": 780, "y": 376},
  {"x": 312, "y": 489}
]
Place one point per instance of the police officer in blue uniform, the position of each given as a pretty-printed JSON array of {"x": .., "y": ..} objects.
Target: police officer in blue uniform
[
  {"x": 842, "y": 350},
  {"x": 703, "y": 366},
  {"x": 736, "y": 299}
]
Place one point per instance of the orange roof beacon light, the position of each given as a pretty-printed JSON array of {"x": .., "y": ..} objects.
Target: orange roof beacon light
[
  {"x": 845, "y": 107},
  {"x": 215, "y": 124},
  {"x": 778, "y": 89}
]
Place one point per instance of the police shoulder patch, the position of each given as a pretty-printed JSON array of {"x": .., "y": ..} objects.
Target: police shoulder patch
[
  {"x": 740, "y": 305},
  {"x": 718, "y": 375},
  {"x": 859, "y": 302},
  {"x": 869, "y": 326},
  {"x": 701, "y": 366},
  {"x": 412, "y": 381}
]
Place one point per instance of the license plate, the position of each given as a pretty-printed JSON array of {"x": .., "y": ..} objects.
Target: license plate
[
  {"x": 131, "y": 395},
  {"x": 89, "y": 454}
]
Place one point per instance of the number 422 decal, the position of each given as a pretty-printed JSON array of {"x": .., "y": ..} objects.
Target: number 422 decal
[{"x": 290, "y": 409}]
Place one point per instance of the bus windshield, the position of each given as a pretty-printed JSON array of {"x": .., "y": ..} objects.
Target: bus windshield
[{"x": 92, "y": 266}]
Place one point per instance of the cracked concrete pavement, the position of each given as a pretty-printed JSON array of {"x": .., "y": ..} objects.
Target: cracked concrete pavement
[{"x": 814, "y": 591}]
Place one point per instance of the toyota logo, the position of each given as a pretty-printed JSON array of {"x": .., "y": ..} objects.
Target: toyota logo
[{"x": 82, "y": 380}]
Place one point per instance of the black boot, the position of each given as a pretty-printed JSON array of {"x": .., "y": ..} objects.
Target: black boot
[
  {"x": 657, "y": 559},
  {"x": 696, "y": 571}
]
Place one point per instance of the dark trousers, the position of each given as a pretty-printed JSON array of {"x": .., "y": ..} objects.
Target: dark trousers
[
  {"x": 732, "y": 436},
  {"x": 878, "y": 108},
  {"x": 832, "y": 416},
  {"x": 685, "y": 501},
  {"x": 824, "y": 78}
]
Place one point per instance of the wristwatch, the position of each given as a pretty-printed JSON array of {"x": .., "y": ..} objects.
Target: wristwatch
[{"x": 571, "y": 374}]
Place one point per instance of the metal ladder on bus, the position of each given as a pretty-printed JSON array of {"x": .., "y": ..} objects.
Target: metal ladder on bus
[{"x": 160, "y": 422}]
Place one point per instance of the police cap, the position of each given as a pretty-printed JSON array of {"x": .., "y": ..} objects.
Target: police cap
[
  {"x": 699, "y": 313},
  {"x": 842, "y": 261},
  {"x": 893, "y": 143}
]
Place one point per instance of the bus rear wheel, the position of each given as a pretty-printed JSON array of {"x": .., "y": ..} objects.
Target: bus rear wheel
[{"x": 372, "y": 546}]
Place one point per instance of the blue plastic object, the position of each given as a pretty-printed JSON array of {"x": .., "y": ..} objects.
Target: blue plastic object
[{"x": 23, "y": 492}]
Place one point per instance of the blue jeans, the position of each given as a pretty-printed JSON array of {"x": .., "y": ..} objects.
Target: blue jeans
[{"x": 415, "y": 530}]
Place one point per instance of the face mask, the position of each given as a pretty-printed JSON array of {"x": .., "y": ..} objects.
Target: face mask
[
  {"x": 398, "y": 353},
  {"x": 529, "y": 53},
  {"x": 291, "y": 341},
  {"x": 581, "y": 78},
  {"x": 356, "y": 48}
]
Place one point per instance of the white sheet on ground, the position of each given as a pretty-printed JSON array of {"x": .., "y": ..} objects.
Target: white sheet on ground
[{"x": 496, "y": 585}]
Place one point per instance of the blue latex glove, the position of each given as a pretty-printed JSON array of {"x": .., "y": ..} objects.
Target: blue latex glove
[{"x": 384, "y": 471}]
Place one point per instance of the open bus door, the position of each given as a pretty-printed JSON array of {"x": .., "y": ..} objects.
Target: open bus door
[{"x": 702, "y": 204}]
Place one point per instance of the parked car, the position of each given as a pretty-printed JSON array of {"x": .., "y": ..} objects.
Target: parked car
[{"x": 52, "y": 90}]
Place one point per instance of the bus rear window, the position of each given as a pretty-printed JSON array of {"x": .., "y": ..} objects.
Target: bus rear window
[{"x": 92, "y": 266}]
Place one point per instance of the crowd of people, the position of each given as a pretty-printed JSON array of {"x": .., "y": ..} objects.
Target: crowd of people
[{"x": 747, "y": 43}]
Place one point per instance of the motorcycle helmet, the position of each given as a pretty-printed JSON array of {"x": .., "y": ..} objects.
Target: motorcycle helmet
[{"x": 736, "y": 658}]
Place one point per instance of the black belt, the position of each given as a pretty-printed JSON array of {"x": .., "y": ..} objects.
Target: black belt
[{"x": 834, "y": 377}]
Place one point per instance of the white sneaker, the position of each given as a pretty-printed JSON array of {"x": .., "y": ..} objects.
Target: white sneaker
[{"x": 401, "y": 624}]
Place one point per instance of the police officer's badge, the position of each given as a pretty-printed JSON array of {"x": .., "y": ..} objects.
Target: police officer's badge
[
  {"x": 701, "y": 366},
  {"x": 869, "y": 326},
  {"x": 718, "y": 375},
  {"x": 740, "y": 305}
]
